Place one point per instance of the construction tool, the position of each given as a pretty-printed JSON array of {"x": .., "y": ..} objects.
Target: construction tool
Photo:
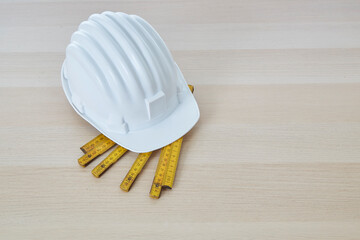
[
  {"x": 95, "y": 152},
  {"x": 113, "y": 157},
  {"x": 135, "y": 170},
  {"x": 93, "y": 143}
]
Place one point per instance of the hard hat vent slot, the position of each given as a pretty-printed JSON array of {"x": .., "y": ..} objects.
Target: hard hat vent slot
[{"x": 156, "y": 105}]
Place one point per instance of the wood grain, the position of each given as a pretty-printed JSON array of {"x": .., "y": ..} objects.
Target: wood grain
[{"x": 275, "y": 155}]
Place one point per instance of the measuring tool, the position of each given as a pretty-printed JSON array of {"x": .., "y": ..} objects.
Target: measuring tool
[
  {"x": 93, "y": 143},
  {"x": 113, "y": 157},
  {"x": 191, "y": 88},
  {"x": 135, "y": 170},
  {"x": 173, "y": 162},
  {"x": 166, "y": 169},
  {"x": 97, "y": 151},
  {"x": 160, "y": 172}
]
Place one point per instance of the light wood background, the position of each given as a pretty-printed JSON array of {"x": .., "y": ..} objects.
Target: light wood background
[{"x": 276, "y": 154}]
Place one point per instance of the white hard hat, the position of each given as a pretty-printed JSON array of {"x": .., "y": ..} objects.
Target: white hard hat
[{"x": 120, "y": 77}]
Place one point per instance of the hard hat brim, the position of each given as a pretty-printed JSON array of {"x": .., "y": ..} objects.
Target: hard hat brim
[{"x": 176, "y": 125}]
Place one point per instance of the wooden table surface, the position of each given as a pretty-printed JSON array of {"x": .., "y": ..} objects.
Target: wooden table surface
[{"x": 275, "y": 155}]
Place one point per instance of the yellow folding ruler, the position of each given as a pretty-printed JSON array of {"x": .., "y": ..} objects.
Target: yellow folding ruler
[
  {"x": 166, "y": 168},
  {"x": 165, "y": 171},
  {"x": 95, "y": 152},
  {"x": 113, "y": 157},
  {"x": 93, "y": 143},
  {"x": 135, "y": 170}
]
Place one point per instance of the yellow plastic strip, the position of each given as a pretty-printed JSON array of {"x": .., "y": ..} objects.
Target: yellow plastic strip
[
  {"x": 113, "y": 157},
  {"x": 93, "y": 143},
  {"x": 160, "y": 172},
  {"x": 135, "y": 170},
  {"x": 191, "y": 88},
  {"x": 173, "y": 162},
  {"x": 97, "y": 151}
]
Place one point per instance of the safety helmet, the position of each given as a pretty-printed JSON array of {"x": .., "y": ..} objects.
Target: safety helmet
[{"x": 119, "y": 76}]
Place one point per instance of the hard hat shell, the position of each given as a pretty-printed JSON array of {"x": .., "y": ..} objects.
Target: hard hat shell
[{"x": 120, "y": 77}]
